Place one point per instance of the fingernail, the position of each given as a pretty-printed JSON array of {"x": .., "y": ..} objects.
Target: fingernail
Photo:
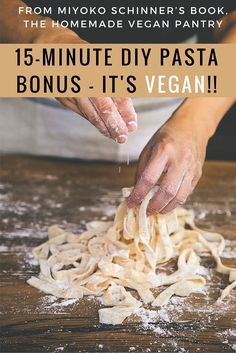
[
  {"x": 121, "y": 139},
  {"x": 132, "y": 125}
]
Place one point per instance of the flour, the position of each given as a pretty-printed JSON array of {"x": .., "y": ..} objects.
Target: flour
[
  {"x": 177, "y": 300},
  {"x": 205, "y": 212},
  {"x": 203, "y": 271},
  {"x": 31, "y": 261},
  {"x": 228, "y": 337},
  {"x": 4, "y": 248},
  {"x": 51, "y": 177},
  {"x": 160, "y": 322},
  {"x": 229, "y": 251},
  {"x": 53, "y": 305},
  {"x": 64, "y": 302}
]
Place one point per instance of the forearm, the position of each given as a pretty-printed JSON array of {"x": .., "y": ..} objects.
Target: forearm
[
  {"x": 204, "y": 112},
  {"x": 209, "y": 111},
  {"x": 227, "y": 32},
  {"x": 12, "y": 29}
]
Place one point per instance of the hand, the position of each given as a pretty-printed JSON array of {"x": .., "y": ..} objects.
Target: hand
[
  {"x": 113, "y": 117},
  {"x": 176, "y": 152}
]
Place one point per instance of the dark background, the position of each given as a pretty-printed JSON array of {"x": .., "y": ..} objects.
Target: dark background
[
  {"x": 127, "y": 35},
  {"x": 223, "y": 144}
]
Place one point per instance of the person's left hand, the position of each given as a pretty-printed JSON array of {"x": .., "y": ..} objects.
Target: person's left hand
[
  {"x": 114, "y": 117},
  {"x": 176, "y": 152}
]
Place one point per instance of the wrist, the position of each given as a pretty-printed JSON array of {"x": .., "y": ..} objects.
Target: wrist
[
  {"x": 191, "y": 122},
  {"x": 204, "y": 113}
]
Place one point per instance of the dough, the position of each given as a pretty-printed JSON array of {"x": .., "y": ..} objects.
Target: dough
[{"x": 111, "y": 257}]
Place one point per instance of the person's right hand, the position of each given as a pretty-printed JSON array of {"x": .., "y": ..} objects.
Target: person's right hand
[
  {"x": 113, "y": 117},
  {"x": 174, "y": 157}
]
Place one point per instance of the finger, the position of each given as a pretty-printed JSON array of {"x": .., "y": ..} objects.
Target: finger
[
  {"x": 189, "y": 183},
  {"x": 168, "y": 188},
  {"x": 70, "y": 104},
  {"x": 89, "y": 112},
  {"x": 197, "y": 174},
  {"x": 142, "y": 162},
  {"x": 127, "y": 112},
  {"x": 84, "y": 108},
  {"x": 184, "y": 191},
  {"x": 148, "y": 179},
  {"x": 108, "y": 112}
]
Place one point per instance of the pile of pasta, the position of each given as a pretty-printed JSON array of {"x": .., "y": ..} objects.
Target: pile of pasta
[{"x": 114, "y": 259}]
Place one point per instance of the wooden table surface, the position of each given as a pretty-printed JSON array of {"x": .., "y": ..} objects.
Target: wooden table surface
[{"x": 36, "y": 193}]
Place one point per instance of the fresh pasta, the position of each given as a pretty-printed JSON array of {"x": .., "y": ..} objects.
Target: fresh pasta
[{"x": 115, "y": 260}]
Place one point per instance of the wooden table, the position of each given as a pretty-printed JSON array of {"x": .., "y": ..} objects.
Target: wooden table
[{"x": 36, "y": 193}]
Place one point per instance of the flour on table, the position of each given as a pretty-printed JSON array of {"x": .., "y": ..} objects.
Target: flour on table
[{"x": 110, "y": 257}]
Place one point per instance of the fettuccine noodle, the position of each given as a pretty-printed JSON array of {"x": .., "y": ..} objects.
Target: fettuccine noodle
[{"x": 111, "y": 257}]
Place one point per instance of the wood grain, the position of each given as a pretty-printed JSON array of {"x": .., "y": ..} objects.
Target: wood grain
[{"x": 36, "y": 193}]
